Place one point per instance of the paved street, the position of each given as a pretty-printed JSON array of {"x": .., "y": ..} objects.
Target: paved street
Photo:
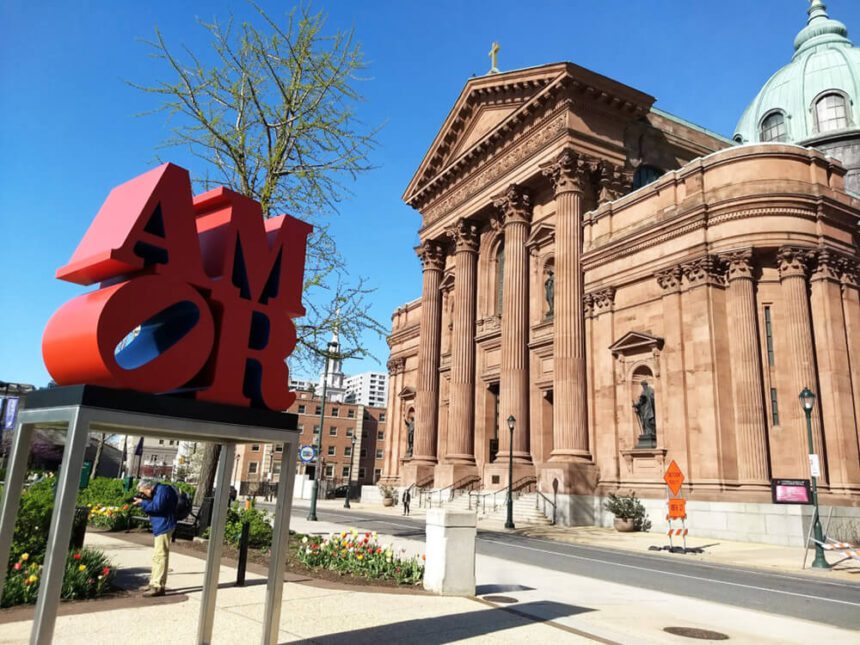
[{"x": 836, "y": 603}]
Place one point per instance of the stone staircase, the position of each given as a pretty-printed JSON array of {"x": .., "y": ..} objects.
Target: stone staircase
[{"x": 525, "y": 512}]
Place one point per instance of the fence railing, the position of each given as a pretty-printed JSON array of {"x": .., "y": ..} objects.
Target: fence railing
[
  {"x": 542, "y": 501},
  {"x": 480, "y": 501}
]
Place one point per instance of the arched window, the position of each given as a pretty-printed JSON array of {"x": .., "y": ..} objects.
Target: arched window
[
  {"x": 773, "y": 127},
  {"x": 831, "y": 112},
  {"x": 500, "y": 275}
]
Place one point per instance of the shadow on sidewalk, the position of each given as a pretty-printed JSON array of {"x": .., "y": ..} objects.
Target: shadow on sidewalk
[{"x": 448, "y": 628}]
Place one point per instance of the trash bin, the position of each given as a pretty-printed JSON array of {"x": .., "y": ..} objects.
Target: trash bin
[
  {"x": 127, "y": 483},
  {"x": 79, "y": 527},
  {"x": 86, "y": 471}
]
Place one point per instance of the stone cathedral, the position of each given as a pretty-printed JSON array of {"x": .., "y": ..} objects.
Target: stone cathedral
[{"x": 629, "y": 289}]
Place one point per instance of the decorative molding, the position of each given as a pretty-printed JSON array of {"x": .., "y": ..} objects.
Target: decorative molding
[
  {"x": 465, "y": 235},
  {"x": 588, "y": 305},
  {"x": 826, "y": 265},
  {"x": 635, "y": 343},
  {"x": 432, "y": 255},
  {"x": 488, "y": 325},
  {"x": 515, "y": 205},
  {"x": 849, "y": 275}
]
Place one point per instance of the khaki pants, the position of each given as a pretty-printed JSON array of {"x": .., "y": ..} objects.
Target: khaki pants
[{"x": 160, "y": 557}]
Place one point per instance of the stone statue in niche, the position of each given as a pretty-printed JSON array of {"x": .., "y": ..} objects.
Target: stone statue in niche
[
  {"x": 644, "y": 408},
  {"x": 549, "y": 289},
  {"x": 410, "y": 435}
]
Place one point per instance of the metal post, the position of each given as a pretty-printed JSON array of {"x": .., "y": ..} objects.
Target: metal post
[
  {"x": 60, "y": 532},
  {"x": 243, "y": 553},
  {"x": 312, "y": 513},
  {"x": 349, "y": 473},
  {"x": 820, "y": 562},
  {"x": 17, "y": 469},
  {"x": 278, "y": 560},
  {"x": 216, "y": 539},
  {"x": 509, "y": 522}
]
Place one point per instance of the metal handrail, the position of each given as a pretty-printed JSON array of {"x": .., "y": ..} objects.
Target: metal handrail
[
  {"x": 540, "y": 496},
  {"x": 516, "y": 490}
]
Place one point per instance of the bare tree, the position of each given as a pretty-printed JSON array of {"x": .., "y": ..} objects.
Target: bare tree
[{"x": 274, "y": 119}]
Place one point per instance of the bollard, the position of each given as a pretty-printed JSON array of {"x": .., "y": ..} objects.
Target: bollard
[
  {"x": 450, "y": 566},
  {"x": 243, "y": 554}
]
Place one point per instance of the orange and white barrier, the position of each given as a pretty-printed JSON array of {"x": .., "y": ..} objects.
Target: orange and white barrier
[{"x": 845, "y": 548}]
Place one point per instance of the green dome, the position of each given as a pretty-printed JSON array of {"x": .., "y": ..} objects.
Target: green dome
[{"x": 816, "y": 94}]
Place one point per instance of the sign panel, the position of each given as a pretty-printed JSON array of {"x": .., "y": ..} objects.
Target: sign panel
[
  {"x": 674, "y": 478},
  {"x": 677, "y": 508},
  {"x": 11, "y": 414},
  {"x": 306, "y": 454},
  {"x": 814, "y": 466},
  {"x": 791, "y": 491}
]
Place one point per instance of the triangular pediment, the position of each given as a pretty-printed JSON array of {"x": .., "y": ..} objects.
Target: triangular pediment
[
  {"x": 483, "y": 105},
  {"x": 636, "y": 342},
  {"x": 406, "y": 393},
  {"x": 490, "y": 106},
  {"x": 542, "y": 233}
]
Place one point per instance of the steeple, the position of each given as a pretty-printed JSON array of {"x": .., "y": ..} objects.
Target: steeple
[
  {"x": 820, "y": 29},
  {"x": 335, "y": 388}
]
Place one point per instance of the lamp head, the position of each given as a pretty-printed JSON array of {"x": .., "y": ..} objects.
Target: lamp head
[
  {"x": 807, "y": 399},
  {"x": 511, "y": 422}
]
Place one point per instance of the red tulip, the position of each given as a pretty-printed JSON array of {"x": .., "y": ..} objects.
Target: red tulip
[{"x": 77, "y": 556}]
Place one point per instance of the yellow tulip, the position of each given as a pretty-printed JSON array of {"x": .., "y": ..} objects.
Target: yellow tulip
[
  {"x": 25, "y": 557},
  {"x": 82, "y": 567}
]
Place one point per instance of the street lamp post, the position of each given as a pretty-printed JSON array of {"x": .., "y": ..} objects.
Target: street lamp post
[
  {"x": 349, "y": 473},
  {"x": 509, "y": 522},
  {"x": 807, "y": 400},
  {"x": 312, "y": 513}
]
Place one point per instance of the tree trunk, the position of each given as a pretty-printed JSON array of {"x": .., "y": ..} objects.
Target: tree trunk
[
  {"x": 98, "y": 457},
  {"x": 208, "y": 466}
]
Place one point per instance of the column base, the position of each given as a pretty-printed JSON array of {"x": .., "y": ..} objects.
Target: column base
[
  {"x": 417, "y": 472},
  {"x": 519, "y": 457},
  {"x": 495, "y": 475},
  {"x": 574, "y": 478},
  {"x": 569, "y": 455},
  {"x": 445, "y": 475}
]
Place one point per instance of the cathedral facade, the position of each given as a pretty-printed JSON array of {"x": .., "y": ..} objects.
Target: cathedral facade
[{"x": 607, "y": 288}]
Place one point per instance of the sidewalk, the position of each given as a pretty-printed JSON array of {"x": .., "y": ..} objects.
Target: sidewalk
[
  {"x": 716, "y": 551},
  {"x": 516, "y": 603}
]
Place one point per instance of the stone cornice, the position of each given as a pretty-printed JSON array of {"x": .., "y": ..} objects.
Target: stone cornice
[{"x": 402, "y": 335}]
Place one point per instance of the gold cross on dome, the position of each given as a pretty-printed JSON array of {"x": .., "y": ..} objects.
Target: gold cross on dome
[{"x": 494, "y": 53}]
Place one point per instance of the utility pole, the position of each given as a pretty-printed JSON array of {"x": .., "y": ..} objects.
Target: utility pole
[{"x": 312, "y": 513}]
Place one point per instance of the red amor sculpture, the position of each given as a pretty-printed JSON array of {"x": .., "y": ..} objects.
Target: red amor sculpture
[{"x": 206, "y": 286}]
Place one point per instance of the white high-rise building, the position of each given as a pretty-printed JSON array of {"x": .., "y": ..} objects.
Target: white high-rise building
[{"x": 367, "y": 388}]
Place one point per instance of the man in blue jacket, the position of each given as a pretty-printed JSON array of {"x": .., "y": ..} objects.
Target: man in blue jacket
[{"x": 159, "y": 502}]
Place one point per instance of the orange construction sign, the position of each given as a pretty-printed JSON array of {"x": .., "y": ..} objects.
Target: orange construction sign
[
  {"x": 677, "y": 509},
  {"x": 674, "y": 478}
]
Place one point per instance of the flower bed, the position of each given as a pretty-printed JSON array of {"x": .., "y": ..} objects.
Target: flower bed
[
  {"x": 360, "y": 554},
  {"x": 88, "y": 574},
  {"x": 112, "y": 518}
]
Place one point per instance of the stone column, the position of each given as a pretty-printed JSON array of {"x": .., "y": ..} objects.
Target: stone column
[
  {"x": 793, "y": 264},
  {"x": 834, "y": 372},
  {"x": 569, "y": 413},
  {"x": 427, "y": 393},
  {"x": 394, "y": 429},
  {"x": 851, "y": 311},
  {"x": 461, "y": 416},
  {"x": 752, "y": 449},
  {"x": 515, "y": 207}
]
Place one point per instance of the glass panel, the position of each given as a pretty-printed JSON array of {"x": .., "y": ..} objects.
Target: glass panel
[
  {"x": 773, "y": 128},
  {"x": 832, "y": 113}
]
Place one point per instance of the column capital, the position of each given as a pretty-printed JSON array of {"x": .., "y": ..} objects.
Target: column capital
[
  {"x": 464, "y": 234},
  {"x": 849, "y": 274},
  {"x": 704, "y": 270},
  {"x": 588, "y": 305},
  {"x": 614, "y": 181},
  {"x": 670, "y": 279},
  {"x": 432, "y": 255},
  {"x": 826, "y": 265},
  {"x": 603, "y": 300},
  {"x": 515, "y": 205},
  {"x": 569, "y": 171},
  {"x": 739, "y": 264},
  {"x": 396, "y": 365},
  {"x": 793, "y": 262}
]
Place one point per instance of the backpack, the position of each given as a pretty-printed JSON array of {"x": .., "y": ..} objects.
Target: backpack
[{"x": 183, "y": 505}]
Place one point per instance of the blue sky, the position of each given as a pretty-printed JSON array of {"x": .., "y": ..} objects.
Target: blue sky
[{"x": 70, "y": 130}]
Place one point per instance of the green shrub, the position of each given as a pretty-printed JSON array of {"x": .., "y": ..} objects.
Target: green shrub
[
  {"x": 360, "y": 554},
  {"x": 260, "y": 535},
  {"x": 88, "y": 574},
  {"x": 628, "y": 507},
  {"x": 105, "y": 491},
  {"x": 33, "y": 521}
]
